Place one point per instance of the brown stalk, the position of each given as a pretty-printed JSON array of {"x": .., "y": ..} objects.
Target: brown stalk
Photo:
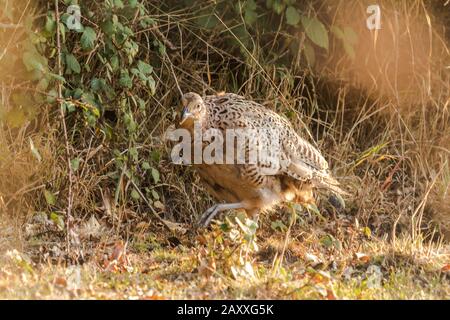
[{"x": 63, "y": 121}]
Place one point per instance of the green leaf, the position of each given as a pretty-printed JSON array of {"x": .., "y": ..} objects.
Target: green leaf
[
  {"x": 349, "y": 40},
  {"x": 108, "y": 27},
  {"x": 349, "y": 50},
  {"x": 49, "y": 197},
  {"x": 315, "y": 31},
  {"x": 242, "y": 35},
  {"x": 114, "y": 62},
  {"x": 367, "y": 232},
  {"x": 33, "y": 61},
  {"x": 146, "y": 165},
  {"x": 156, "y": 156},
  {"x": 57, "y": 219},
  {"x": 88, "y": 38},
  {"x": 151, "y": 84},
  {"x": 350, "y": 35},
  {"x": 250, "y": 5},
  {"x": 125, "y": 80},
  {"x": 42, "y": 85},
  {"x": 337, "y": 32},
  {"x": 141, "y": 103},
  {"x": 68, "y": 106},
  {"x": 75, "y": 164},
  {"x": 98, "y": 84},
  {"x": 118, "y": 4},
  {"x": 143, "y": 67},
  {"x": 278, "y": 6},
  {"x": 278, "y": 225},
  {"x": 50, "y": 24},
  {"x": 250, "y": 14},
  {"x": 162, "y": 49},
  {"x": 250, "y": 17},
  {"x": 146, "y": 22},
  {"x": 310, "y": 55},
  {"x": 133, "y": 154},
  {"x": 52, "y": 95},
  {"x": 155, "y": 175},
  {"x": 292, "y": 16},
  {"x": 72, "y": 63},
  {"x": 327, "y": 241},
  {"x": 129, "y": 123},
  {"x": 155, "y": 195},
  {"x": 311, "y": 207},
  {"x": 57, "y": 77},
  {"x": 135, "y": 195},
  {"x": 135, "y": 71},
  {"x": 207, "y": 21}
]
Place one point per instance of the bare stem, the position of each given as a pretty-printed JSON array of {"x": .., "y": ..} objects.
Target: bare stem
[{"x": 66, "y": 139}]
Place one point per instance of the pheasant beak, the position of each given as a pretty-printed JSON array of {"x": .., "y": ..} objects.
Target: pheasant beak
[{"x": 186, "y": 114}]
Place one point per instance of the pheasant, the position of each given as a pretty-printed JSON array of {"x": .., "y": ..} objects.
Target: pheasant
[{"x": 258, "y": 185}]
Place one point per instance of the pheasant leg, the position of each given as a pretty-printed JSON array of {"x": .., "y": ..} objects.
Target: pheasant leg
[{"x": 209, "y": 214}]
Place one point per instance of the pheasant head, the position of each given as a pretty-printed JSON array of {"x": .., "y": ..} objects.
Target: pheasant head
[{"x": 194, "y": 109}]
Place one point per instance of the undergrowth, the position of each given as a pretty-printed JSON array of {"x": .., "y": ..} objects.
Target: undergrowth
[{"x": 374, "y": 102}]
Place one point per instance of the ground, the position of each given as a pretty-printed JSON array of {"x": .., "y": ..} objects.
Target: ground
[{"x": 325, "y": 260}]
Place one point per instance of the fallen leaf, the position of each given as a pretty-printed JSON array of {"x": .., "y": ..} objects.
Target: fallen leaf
[
  {"x": 330, "y": 295},
  {"x": 118, "y": 251},
  {"x": 362, "y": 257},
  {"x": 174, "y": 226},
  {"x": 153, "y": 297},
  {"x": 91, "y": 228},
  {"x": 313, "y": 259},
  {"x": 117, "y": 260},
  {"x": 60, "y": 281},
  {"x": 321, "y": 277}
]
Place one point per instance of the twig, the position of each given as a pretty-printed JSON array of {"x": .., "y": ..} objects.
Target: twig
[
  {"x": 164, "y": 39},
  {"x": 9, "y": 26},
  {"x": 63, "y": 121},
  {"x": 175, "y": 77},
  {"x": 286, "y": 239}
]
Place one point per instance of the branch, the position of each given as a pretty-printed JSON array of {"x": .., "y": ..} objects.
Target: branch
[{"x": 63, "y": 121}]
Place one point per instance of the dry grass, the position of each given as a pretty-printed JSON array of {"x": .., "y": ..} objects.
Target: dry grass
[
  {"x": 312, "y": 269},
  {"x": 382, "y": 121}
]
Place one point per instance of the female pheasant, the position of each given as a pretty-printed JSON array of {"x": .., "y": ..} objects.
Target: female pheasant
[{"x": 262, "y": 184}]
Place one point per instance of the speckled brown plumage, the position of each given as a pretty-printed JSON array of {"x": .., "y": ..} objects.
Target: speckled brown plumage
[{"x": 248, "y": 186}]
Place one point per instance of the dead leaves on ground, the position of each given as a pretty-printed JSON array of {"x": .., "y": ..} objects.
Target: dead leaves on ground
[{"x": 117, "y": 260}]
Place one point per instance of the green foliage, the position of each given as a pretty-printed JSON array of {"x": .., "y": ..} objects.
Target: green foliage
[
  {"x": 50, "y": 198},
  {"x": 348, "y": 37},
  {"x": 292, "y": 16},
  {"x": 72, "y": 63},
  {"x": 75, "y": 164},
  {"x": 57, "y": 219},
  {"x": 315, "y": 31}
]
